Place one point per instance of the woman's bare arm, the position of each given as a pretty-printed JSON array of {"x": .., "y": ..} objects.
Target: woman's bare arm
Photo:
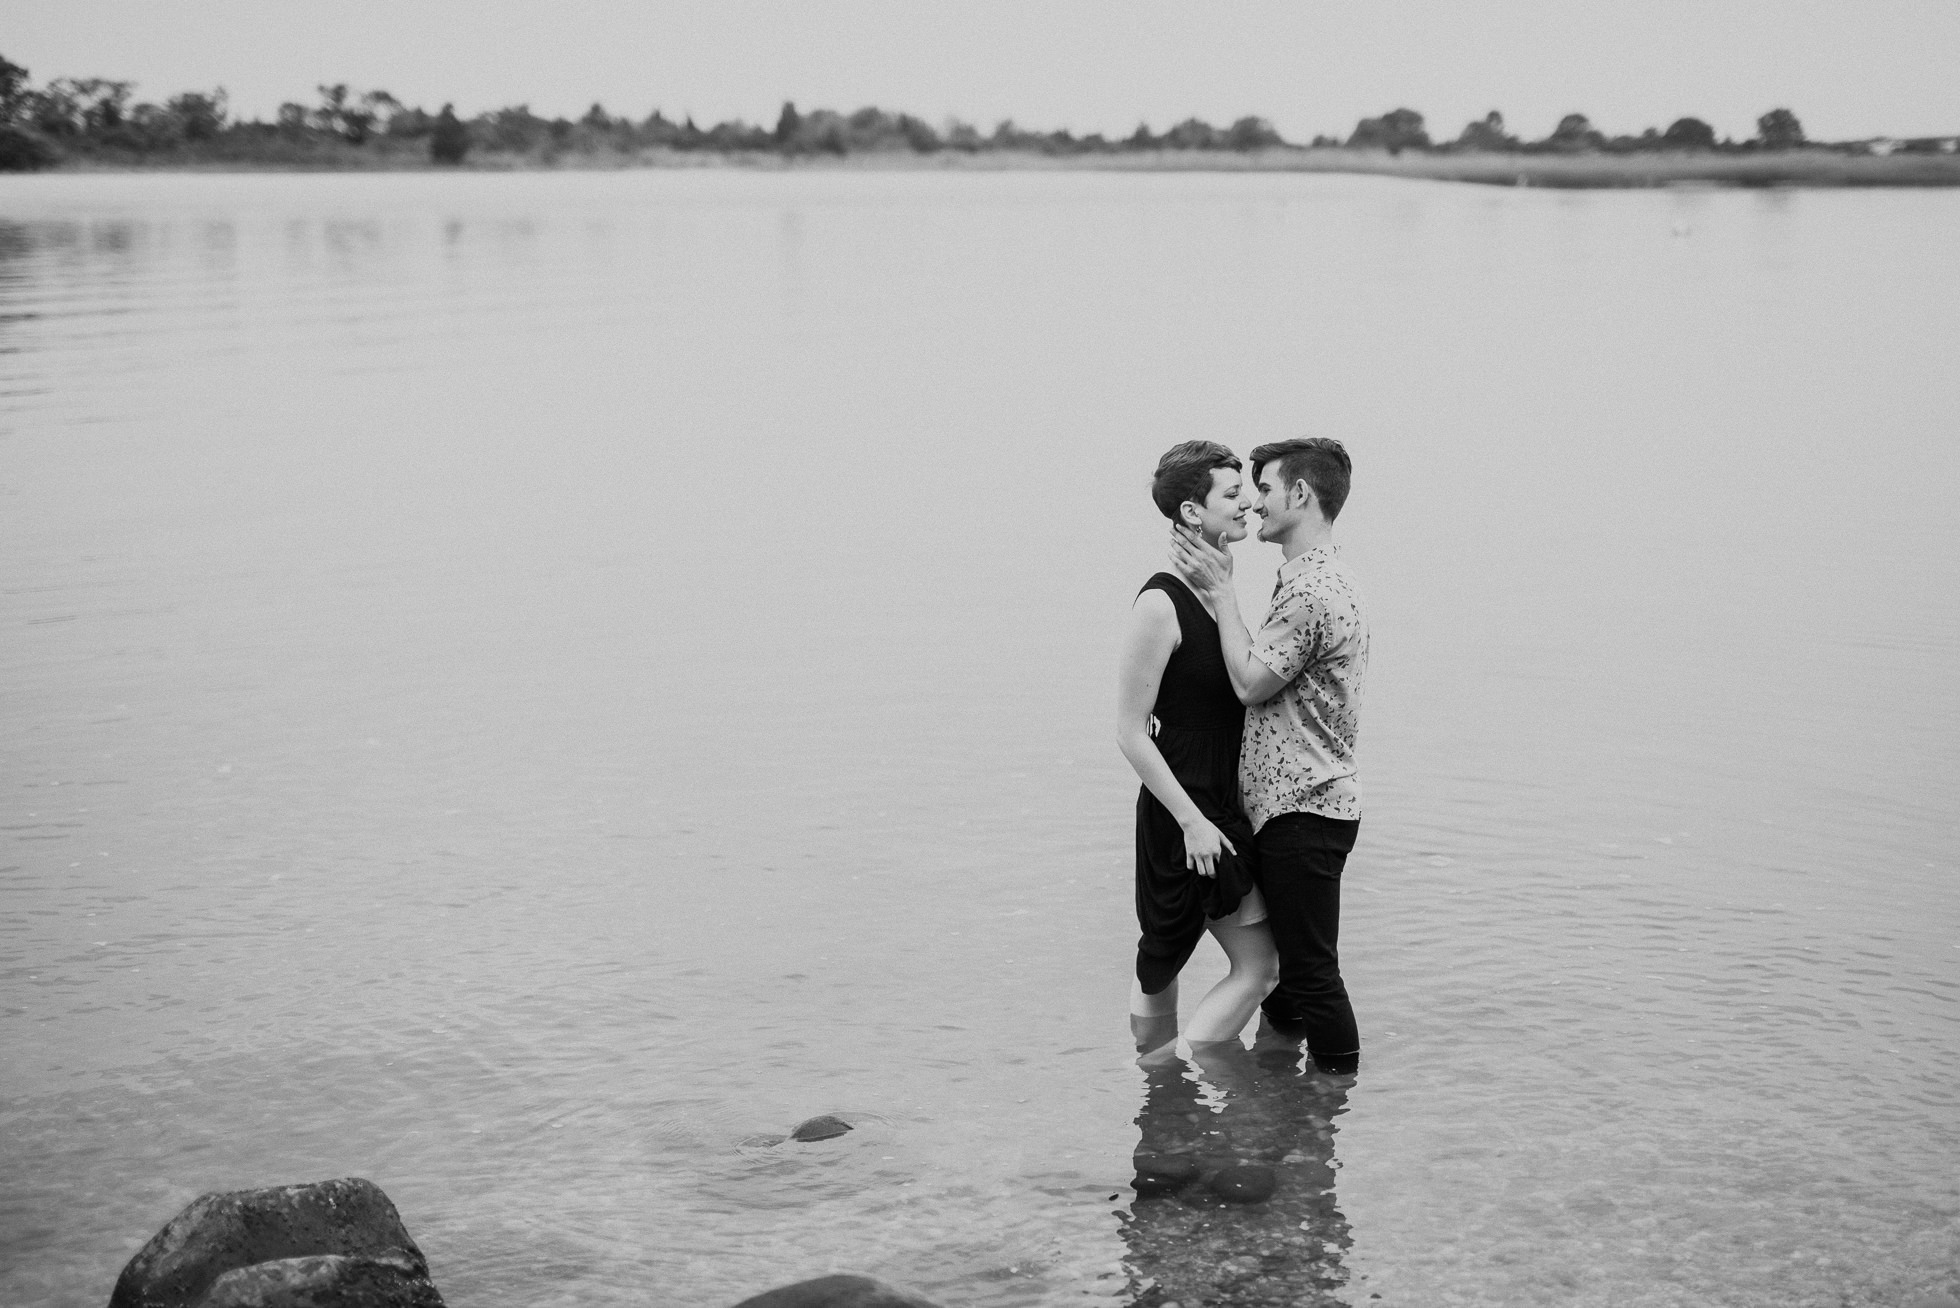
[{"x": 1149, "y": 637}]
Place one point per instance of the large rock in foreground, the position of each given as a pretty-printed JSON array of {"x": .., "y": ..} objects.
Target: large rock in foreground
[
  {"x": 390, "y": 1280},
  {"x": 374, "y": 1263},
  {"x": 837, "y": 1292}
]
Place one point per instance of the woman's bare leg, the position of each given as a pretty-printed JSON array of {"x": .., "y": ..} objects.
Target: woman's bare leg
[{"x": 1223, "y": 1013}]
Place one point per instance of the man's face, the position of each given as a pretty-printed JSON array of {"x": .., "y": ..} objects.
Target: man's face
[{"x": 1270, "y": 503}]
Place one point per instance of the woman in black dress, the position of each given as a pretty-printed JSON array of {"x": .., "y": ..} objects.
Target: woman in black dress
[{"x": 1179, "y": 723}]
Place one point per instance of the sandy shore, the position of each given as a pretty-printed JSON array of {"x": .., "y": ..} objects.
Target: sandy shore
[
  {"x": 1780, "y": 168},
  {"x": 1592, "y": 171},
  {"x": 1800, "y": 168}
]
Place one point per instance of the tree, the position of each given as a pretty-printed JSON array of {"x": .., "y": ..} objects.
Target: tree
[
  {"x": 77, "y": 106},
  {"x": 380, "y": 108},
  {"x": 1251, "y": 134},
  {"x": 53, "y": 110},
  {"x": 408, "y": 124},
  {"x": 961, "y": 136},
  {"x": 1191, "y": 134},
  {"x": 1779, "y": 130},
  {"x": 514, "y": 128},
  {"x": 600, "y": 129},
  {"x": 1647, "y": 142},
  {"x": 150, "y": 127},
  {"x": 104, "y": 103},
  {"x": 22, "y": 151},
  {"x": 13, "y": 89},
  {"x": 788, "y": 124},
  {"x": 333, "y": 104},
  {"x": 1575, "y": 132},
  {"x": 198, "y": 116},
  {"x": 1395, "y": 131},
  {"x": 449, "y": 140},
  {"x": 1059, "y": 141},
  {"x": 353, "y": 117},
  {"x": 1689, "y": 134},
  {"x": 1487, "y": 133},
  {"x": 918, "y": 134},
  {"x": 870, "y": 128},
  {"x": 734, "y": 134}
]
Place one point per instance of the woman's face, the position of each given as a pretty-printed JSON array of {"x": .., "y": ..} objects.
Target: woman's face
[{"x": 1222, "y": 516}]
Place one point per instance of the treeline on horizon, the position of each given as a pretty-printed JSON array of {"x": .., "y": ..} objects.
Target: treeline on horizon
[{"x": 98, "y": 118}]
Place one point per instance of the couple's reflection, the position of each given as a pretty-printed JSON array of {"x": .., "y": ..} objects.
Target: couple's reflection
[{"x": 1234, "y": 1181}]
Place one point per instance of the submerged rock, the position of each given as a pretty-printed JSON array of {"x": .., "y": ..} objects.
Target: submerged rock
[
  {"x": 220, "y": 1233},
  {"x": 1163, "y": 1173},
  {"x": 825, "y": 1127},
  {"x": 1245, "y": 1184},
  {"x": 837, "y": 1292},
  {"x": 390, "y": 1280}
]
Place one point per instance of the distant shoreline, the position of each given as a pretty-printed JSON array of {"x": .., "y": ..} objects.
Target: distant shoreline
[
  {"x": 94, "y": 124},
  {"x": 1585, "y": 171}
]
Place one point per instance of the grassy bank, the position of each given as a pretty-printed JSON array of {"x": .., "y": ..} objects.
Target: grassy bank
[
  {"x": 1698, "y": 168},
  {"x": 1798, "y": 168},
  {"x": 1577, "y": 171}
]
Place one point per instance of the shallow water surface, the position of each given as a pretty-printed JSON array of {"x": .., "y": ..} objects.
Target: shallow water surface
[{"x": 523, "y": 688}]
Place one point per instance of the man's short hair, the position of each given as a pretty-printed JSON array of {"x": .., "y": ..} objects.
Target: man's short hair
[
  {"x": 1184, "y": 473},
  {"x": 1320, "y": 461}
]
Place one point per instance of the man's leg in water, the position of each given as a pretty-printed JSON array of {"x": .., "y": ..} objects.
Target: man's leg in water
[{"x": 1301, "y": 857}]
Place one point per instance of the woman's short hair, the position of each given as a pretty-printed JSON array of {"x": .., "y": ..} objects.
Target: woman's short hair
[
  {"x": 1320, "y": 461},
  {"x": 1184, "y": 473}
]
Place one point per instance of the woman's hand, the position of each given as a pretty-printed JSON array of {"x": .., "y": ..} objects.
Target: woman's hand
[
  {"x": 1207, "y": 568},
  {"x": 1203, "y": 845}
]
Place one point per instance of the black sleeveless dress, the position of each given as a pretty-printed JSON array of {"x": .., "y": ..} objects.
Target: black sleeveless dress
[{"x": 1201, "y": 723}]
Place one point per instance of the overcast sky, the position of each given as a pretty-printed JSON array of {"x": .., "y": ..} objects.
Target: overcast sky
[{"x": 1849, "y": 68}]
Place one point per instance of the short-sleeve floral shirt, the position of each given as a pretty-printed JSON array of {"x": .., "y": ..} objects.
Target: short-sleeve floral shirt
[{"x": 1298, "y": 755}]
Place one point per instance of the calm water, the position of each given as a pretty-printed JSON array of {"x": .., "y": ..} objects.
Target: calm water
[{"x": 523, "y": 687}]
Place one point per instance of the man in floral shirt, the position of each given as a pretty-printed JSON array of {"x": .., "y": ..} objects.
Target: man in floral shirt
[{"x": 1300, "y": 679}]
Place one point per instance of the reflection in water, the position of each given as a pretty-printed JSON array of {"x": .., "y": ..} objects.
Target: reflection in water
[
  {"x": 23, "y": 242},
  {"x": 1235, "y": 1175},
  {"x": 16, "y": 242},
  {"x": 116, "y": 237}
]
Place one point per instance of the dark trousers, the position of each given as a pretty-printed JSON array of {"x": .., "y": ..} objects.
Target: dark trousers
[{"x": 1301, "y": 856}]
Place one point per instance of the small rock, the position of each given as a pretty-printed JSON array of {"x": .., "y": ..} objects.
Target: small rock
[
  {"x": 837, "y": 1292},
  {"x": 219, "y": 1233},
  {"x": 1163, "y": 1173},
  {"x": 820, "y": 1128},
  {"x": 391, "y": 1280},
  {"x": 1244, "y": 1185}
]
